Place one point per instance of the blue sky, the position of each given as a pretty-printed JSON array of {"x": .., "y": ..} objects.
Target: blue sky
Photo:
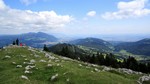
[
  {"x": 75, "y": 17},
  {"x": 76, "y": 8}
]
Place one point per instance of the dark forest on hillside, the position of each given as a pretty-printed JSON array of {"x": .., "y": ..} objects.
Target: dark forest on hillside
[{"x": 107, "y": 59}]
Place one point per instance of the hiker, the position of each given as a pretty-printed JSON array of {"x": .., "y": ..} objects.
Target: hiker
[{"x": 21, "y": 44}]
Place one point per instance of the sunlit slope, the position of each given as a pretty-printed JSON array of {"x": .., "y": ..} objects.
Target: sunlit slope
[{"x": 25, "y": 65}]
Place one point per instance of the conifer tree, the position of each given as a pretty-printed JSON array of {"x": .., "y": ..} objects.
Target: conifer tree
[{"x": 45, "y": 48}]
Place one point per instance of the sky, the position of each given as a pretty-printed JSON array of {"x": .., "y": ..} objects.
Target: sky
[{"x": 75, "y": 17}]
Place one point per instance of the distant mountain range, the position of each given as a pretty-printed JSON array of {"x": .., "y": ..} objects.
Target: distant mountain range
[
  {"x": 141, "y": 47},
  {"x": 37, "y": 40},
  {"x": 94, "y": 43},
  {"x": 30, "y": 39}
]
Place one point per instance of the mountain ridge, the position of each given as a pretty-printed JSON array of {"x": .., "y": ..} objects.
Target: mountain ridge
[
  {"x": 141, "y": 47},
  {"x": 94, "y": 43},
  {"x": 31, "y": 39}
]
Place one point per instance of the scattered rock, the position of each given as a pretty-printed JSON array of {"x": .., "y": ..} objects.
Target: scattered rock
[
  {"x": 36, "y": 55},
  {"x": 32, "y": 66},
  {"x": 47, "y": 55},
  {"x": 23, "y": 56},
  {"x": 94, "y": 65},
  {"x": 7, "y": 56},
  {"x": 58, "y": 65},
  {"x": 13, "y": 62},
  {"x": 65, "y": 73},
  {"x": 25, "y": 59},
  {"x": 32, "y": 61},
  {"x": 68, "y": 80},
  {"x": 78, "y": 58},
  {"x": 54, "y": 77},
  {"x": 18, "y": 66},
  {"x": 25, "y": 62},
  {"x": 29, "y": 67},
  {"x": 42, "y": 61},
  {"x": 49, "y": 65},
  {"x": 144, "y": 78},
  {"x": 97, "y": 70},
  {"x": 27, "y": 72},
  {"x": 24, "y": 77},
  {"x": 128, "y": 71},
  {"x": 92, "y": 71},
  {"x": 87, "y": 67},
  {"x": 57, "y": 60},
  {"x": 65, "y": 58},
  {"x": 106, "y": 68},
  {"x": 80, "y": 64},
  {"x": 4, "y": 47},
  {"x": 49, "y": 61},
  {"x": 51, "y": 57}
]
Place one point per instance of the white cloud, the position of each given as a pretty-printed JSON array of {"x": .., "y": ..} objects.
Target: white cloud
[
  {"x": 91, "y": 13},
  {"x": 27, "y": 19},
  {"x": 28, "y": 2},
  {"x": 2, "y": 5},
  {"x": 134, "y": 8}
]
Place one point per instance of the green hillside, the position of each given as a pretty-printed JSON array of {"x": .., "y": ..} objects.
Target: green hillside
[
  {"x": 26, "y": 65},
  {"x": 141, "y": 47},
  {"x": 96, "y": 43}
]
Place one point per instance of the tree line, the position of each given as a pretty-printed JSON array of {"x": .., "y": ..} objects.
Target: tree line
[{"x": 107, "y": 59}]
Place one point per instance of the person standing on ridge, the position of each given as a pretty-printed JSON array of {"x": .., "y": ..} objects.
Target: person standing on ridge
[{"x": 17, "y": 42}]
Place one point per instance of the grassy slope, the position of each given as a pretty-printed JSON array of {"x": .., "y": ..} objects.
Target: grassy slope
[{"x": 67, "y": 69}]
